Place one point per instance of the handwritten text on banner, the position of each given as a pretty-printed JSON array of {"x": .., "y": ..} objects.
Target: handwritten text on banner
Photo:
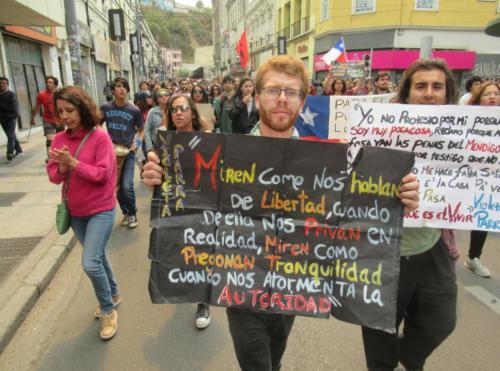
[
  {"x": 279, "y": 229},
  {"x": 457, "y": 152}
]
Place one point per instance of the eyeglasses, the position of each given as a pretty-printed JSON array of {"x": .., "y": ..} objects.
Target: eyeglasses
[
  {"x": 162, "y": 95},
  {"x": 274, "y": 92},
  {"x": 182, "y": 108},
  {"x": 197, "y": 92}
]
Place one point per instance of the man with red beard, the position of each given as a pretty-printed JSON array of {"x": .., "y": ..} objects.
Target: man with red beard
[{"x": 282, "y": 84}]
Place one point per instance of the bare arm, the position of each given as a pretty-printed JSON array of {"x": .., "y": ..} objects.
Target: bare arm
[{"x": 34, "y": 112}]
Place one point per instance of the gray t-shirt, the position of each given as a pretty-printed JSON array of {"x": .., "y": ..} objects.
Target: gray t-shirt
[{"x": 122, "y": 122}]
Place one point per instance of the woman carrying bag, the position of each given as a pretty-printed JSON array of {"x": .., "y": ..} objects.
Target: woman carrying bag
[{"x": 83, "y": 159}]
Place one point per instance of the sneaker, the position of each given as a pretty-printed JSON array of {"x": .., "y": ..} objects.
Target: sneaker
[
  {"x": 132, "y": 221},
  {"x": 109, "y": 325},
  {"x": 125, "y": 221},
  {"x": 202, "y": 316},
  {"x": 116, "y": 299},
  {"x": 477, "y": 267},
  {"x": 9, "y": 156},
  {"x": 18, "y": 154}
]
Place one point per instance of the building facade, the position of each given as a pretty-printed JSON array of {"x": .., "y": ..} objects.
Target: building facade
[
  {"x": 261, "y": 16},
  {"x": 172, "y": 61},
  {"x": 34, "y": 44},
  {"x": 296, "y": 22},
  {"x": 391, "y": 33}
]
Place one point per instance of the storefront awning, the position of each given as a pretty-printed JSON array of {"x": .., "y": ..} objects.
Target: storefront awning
[
  {"x": 15, "y": 12},
  {"x": 493, "y": 28},
  {"x": 401, "y": 59}
]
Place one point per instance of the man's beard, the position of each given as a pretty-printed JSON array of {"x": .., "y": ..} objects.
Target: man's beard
[{"x": 279, "y": 126}]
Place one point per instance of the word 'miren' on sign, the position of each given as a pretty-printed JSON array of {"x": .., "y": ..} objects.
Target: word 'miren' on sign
[
  {"x": 285, "y": 229},
  {"x": 457, "y": 151}
]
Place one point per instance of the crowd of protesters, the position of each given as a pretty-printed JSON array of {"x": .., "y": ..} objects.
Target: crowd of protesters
[{"x": 105, "y": 167}]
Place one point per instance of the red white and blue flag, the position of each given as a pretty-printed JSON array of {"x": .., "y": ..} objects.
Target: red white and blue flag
[
  {"x": 336, "y": 54},
  {"x": 326, "y": 118}
]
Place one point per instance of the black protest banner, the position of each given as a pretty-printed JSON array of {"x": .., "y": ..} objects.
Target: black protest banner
[{"x": 277, "y": 225}]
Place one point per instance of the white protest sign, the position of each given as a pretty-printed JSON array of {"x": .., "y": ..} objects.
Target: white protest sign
[
  {"x": 207, "y": 111},
  {"x": 457, "y": 158},
  {"x": 340, "y": 110}
]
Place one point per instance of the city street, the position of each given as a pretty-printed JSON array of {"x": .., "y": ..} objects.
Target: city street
[{"x": 60, "y": 332}]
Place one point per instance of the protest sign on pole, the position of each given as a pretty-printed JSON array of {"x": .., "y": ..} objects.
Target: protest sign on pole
[
  {"x": 326, "y": 117},
  {"x": 284, "y": 230},
  {"x": 457, "y": 151}
]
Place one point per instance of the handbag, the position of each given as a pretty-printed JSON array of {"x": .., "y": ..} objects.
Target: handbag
[{"x": 63, "y": 218}]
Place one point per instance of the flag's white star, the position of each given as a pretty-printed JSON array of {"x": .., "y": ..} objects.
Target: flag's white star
[{"x": 308, "y": 116}]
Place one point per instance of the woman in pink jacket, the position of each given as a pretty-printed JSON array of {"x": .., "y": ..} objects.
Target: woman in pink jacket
[{"x": 90, "y": 180}]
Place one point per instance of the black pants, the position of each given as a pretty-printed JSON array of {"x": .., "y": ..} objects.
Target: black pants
[
  {"x": 477, "y": 239},
  {"x": 427, "y": 299},
  {"x": 9, "y": 127},
  {"x": 259, "y": 339}
]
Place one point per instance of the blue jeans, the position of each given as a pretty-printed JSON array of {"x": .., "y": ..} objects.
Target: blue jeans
[
  {"x": 126, "y": 193},
  {"x": 93, "y": 233},
  {"x": 9, "y": 126}
]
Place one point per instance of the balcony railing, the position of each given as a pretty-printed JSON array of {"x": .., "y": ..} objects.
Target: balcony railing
[{"x": 298, "y": 28}]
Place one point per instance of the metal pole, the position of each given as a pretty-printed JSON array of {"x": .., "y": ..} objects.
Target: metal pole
[
  {"x": 426, "y": 47},
  {"x": 73, "y": 42},
  {"x": 138, "y": 19},
  {"x": 371, "y": 63}
]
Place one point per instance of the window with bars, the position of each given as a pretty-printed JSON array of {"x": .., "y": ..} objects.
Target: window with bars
[
  {"x": 363, "y": 6},
  {"x": 325, "y": 10},
  {"x": 426, "y": 5}
]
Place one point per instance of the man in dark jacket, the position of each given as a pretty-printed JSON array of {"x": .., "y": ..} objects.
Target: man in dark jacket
[{"x": 8, "y": 118}]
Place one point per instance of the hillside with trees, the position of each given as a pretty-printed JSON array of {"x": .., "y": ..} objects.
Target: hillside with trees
[{"x": 184, "y": 31}]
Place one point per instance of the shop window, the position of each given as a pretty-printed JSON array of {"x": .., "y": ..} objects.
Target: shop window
[
  {"x": 426, "y": 5},
  {"x": 363, "y": 6},
  {"x": 325, "y": 10}
]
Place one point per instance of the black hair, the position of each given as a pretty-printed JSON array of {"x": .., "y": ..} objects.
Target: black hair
[
  {"x": 54, "y": 79},
  {"x": 194, "y": 111},
  {"x": 227, "y": 78},
  {"x": 2, "y": 78},
  {"x": 239, "y": 92},
  {"x": 471, "y": 81},
  {"x": 120, "y": 80}
]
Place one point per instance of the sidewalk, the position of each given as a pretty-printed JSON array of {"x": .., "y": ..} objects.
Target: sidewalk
[{"x": 31, "y": 249}]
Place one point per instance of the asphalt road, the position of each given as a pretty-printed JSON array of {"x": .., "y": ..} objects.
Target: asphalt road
[{"x": 61, "y": 334}]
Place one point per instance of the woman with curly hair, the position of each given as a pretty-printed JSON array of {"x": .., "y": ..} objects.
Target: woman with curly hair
[
  {"x": 82, "y": 158},
  {"x": 487, "y": 95}
]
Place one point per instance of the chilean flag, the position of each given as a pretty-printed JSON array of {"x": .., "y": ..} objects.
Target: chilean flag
[
  {"x": 337, "y": 53},
  {"x": 312, "y": 122}
]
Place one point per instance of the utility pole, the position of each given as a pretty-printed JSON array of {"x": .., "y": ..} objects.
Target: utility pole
[
  {"x": 73, "y": 42},
  {"x": 138, "y": 20},
  {"x": 426, "y": 47}
]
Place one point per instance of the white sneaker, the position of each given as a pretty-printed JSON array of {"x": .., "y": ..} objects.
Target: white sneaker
[
  {"x": 477, "y": 267},
  {"x": 132, "y": 221},
  {"x": 202, "y": 316}
]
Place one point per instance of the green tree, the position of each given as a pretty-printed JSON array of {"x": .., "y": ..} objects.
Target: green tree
[{"x": 182, "y": 32}]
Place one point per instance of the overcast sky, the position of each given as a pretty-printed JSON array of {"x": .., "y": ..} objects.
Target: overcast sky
[{"x": 207, "y": 3}]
